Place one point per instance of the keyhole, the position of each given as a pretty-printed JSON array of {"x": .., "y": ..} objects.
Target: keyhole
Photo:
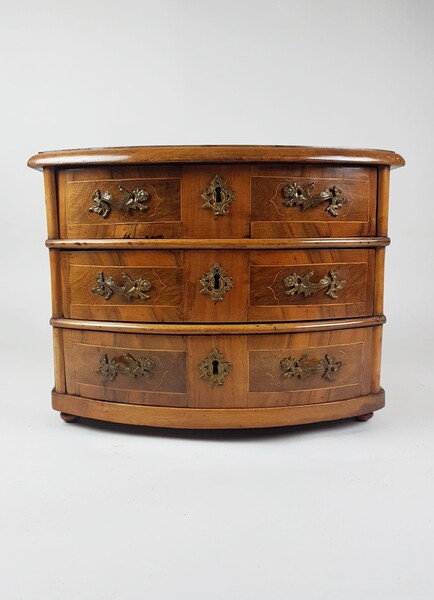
[
  {"x": 215, "y": 367},
  {"x": 218, "y": 194},
  {"x": 217, "y": 281}
]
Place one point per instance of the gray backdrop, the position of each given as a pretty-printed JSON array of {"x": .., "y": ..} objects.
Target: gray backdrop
[{"x": 330, "y": 511}]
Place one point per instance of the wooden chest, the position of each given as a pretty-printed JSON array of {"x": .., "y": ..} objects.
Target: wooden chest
[{"x": 217, "y": 286}]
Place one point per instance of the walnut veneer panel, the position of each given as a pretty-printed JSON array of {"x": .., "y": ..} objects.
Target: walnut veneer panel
[
  {"x": 200, "y": 222},
  {"x": 234, "y": 305},
  {"x": 342, "y": 284},
  {"x": 155, "y": 296},
  {"x": 161, "y": 218},
  {"x": 350, "y": 348},
  {"x": 272, "y": 218},
  {"x": 166, "y": 384}
]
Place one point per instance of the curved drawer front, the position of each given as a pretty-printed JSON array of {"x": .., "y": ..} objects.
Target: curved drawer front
[
  {"x": 217, "y": 286},
  {"x": 217, "y": 201},
  {"x": 120, "y": 202},
  {"x": 312, "y": 201},
  {"x": 225, "y": 371}
]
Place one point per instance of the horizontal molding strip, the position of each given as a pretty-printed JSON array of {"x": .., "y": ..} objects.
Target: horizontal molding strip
[
  {"x": 210, "y": 154},
  {"x": 218, "y": 329},
  {"x": 217, "y": 244},
  {"x": 215, "y": 418}
]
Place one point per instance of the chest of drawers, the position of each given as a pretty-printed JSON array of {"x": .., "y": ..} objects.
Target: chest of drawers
[{"x": 217, "y": 286}]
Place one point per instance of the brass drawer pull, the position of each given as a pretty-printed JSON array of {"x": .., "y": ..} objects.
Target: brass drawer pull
[
  {"x": 104, "y": 202},
  {"x": 215, "y": 368},
  {"x": 298, "y": 284},
  {"x": 218, "y": 196},
  {"x": 131, "y": 290},
  {"x": 305, "y": 367},
  {"x": 297, "y": 195},
  {"x": 125, "y": 365},
  {"x": 216, "y": 283}
]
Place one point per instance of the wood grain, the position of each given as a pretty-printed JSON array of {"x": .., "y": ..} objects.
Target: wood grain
[
  {"x": 380, "y": 256},
  {"x": 214, "y": 418},
  {"x": 166, "y": 386},
  {"x": 200, "y": 307},
  {"x": 383, "y": 200},
  {"x": 258, "y": 290},
  {"x": 255, "y": 377},
  {"x": 233, "y": 393},
  {"x": 223, "y": 328},
  {"x": 59, "y": 361},
  {"x": 214, "y": 154},
  {"x": 161, "y": 219},
  {"x": 164, "y": 270},
  {"x": 271, "y": 218},
  {"x": 269, "y": 300},
  {"x": 51, "y": 203},
  {"x": 268, "y": 387},
  {"x": 218, "y": 244},
  {"x": 199, "y": 222}
]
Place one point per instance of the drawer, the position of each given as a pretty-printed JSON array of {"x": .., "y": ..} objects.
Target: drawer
[
  {"x": 217, "y": 286},
  {"x": 120, "y": 202},
  {"x": 217, "y": 201},
  {"x": 219, "y": 371},
  {"x": 312, "y": 201}
]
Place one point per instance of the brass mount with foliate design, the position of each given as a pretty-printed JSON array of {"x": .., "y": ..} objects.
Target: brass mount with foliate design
[
  {"x": 298, "y": 195},
  {"x": 301, "y": 284},
  {"x": 218, "y": 196},
  {"x": 130, "y": 290},
  {"x": 103, "y": 202}
]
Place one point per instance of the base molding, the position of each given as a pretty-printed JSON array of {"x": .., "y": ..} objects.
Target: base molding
[{"x": 216, "y": 418}]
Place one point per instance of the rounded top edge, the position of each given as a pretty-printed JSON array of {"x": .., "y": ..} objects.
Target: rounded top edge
[{"x": 210, "y": 154}]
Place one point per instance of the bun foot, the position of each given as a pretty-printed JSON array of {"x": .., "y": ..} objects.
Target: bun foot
[
  {"x": 364, "y": 417},
  {"x": 68, "y": 418}
]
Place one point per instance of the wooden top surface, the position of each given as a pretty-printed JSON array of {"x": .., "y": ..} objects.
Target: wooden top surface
[{"x": 211, "y": 154}]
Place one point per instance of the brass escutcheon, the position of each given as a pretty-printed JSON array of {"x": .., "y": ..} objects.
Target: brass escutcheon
[
  {"x": 218, "y": 196},
  {"x": 216, "y": 283},
  {"x": 215, "y": 368}
]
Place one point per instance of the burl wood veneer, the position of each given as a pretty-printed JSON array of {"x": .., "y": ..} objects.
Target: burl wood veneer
[{"x": 217, "y": 286}]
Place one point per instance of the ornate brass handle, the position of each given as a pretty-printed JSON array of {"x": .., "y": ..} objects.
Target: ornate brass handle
[
  {"x": 305, "y": 367},
  {"x": 218, "y": 195},
  {"x": 104, "y": 202},
  {"x": 125, "y": 365},
  {"x": 298, "y": 284},
  {"x": 297, "y": 195},
  {"x": 107, "y": 286},
  {"x": 216, "y": 283},
  {"x": 215, "y": 368}
]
